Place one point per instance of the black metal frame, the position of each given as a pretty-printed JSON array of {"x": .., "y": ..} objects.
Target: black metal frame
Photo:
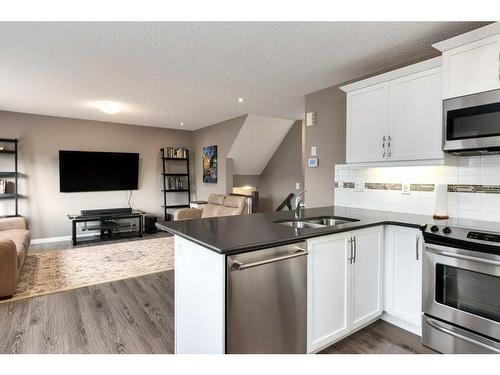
[
  {"x": 165, "y": 159},
  {"x": 14, "y": 174},
  {"x": 102, "y": 219}
]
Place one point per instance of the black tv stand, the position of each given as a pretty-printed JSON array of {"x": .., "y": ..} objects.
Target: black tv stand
[{"x": 106, "y": 224}]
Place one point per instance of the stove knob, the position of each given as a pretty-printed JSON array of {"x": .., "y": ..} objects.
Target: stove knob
[
  {"x": 446, "y": 230},
  {"x": 434, "y": 228}
]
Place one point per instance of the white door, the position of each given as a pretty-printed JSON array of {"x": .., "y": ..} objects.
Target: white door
[
  {"x": 403, "y": 274},
  {"x": 366, "y": 275},
  {"x": 328, "y": 272},
  {"x": 367, "y": 123},
  {"x": 472, "y": 68},
  {"x": 415, "y": 116}
]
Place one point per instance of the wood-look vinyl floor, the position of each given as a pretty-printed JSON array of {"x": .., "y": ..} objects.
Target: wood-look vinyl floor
[
  {"x": 127, "y": 316},
  {"x": 380, "y": 337}
]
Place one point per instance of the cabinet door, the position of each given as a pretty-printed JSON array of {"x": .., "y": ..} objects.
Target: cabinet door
[
  {"x": 366, "y": 276},
  {"x": 415, "y": 116},
  {"x": 367, "y": 123},
  {"x": 403, "y": 274},
  {"x": 471, "y": 68},
  {"x": 328, "y": 273}
]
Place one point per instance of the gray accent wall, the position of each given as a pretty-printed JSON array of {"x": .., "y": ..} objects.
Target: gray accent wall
[
  {"x": 329, "y": 136},
  {"x": 223, "y": 135},
  {"x": 283, "y": 170},
  {"x": 41, "y": 138}
]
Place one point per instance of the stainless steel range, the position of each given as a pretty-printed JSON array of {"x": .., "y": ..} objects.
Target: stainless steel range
[{"x": 461, "y": 290}]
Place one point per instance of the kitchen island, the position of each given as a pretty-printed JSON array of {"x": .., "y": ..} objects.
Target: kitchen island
[{"x": 333, "y": 280}]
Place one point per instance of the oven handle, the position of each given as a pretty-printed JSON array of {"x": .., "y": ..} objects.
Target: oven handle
[
  {"x": 463, "y": 257},
  {"x": 434, "y": 324}
]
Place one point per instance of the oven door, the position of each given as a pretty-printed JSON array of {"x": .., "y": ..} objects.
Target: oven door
[
  {"x": 462, "y": 287},
  {"x": 472, "y": 122}
]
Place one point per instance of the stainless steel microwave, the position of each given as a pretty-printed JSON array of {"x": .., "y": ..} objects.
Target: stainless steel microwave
[{"x": 471, "y": 124}]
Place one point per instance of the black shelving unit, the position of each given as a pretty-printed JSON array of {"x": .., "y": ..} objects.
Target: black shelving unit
[
  {"x": 11, "y": 174},
  {"x": 166, "y": 190}
]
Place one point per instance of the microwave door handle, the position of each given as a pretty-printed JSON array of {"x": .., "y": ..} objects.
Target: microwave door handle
[{"x": 463, "y": 257}]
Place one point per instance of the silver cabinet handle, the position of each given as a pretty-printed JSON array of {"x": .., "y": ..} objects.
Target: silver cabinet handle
[
  {"x": 243, "y": 266},
  {"x": 383, "y": 146},
  {"x": 434, "y": 324},
  {"x": 389, "y": 152},
  {"x": 416, "y": 248},
  {"x": 355, "y": 250},
  {"x": 350, "y": 250},
  {"x": 461, "y": 256}
]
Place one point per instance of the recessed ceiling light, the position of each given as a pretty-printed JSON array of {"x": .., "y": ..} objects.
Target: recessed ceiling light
[
  {"x": 181, "y": 124},
  {"x": 110, "y": 107},
  {"x": 240, "y": 100}
]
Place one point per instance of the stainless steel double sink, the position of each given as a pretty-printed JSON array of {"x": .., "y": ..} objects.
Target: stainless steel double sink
[{"x": 316, "y": 222}]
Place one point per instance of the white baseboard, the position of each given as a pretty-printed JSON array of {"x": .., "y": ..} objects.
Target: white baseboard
[{"x": 417, "y": 330}]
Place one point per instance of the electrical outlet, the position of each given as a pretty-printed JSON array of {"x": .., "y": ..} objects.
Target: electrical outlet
[
  {"x": 405, "y": 189},
  {"x": 359, "y": 186}
]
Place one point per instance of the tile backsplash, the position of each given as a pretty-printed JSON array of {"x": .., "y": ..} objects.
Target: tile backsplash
[{"x": 473, "y": 187}]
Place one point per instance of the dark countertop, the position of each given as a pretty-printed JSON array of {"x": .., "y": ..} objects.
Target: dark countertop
[{"x": 237, "y": 234}]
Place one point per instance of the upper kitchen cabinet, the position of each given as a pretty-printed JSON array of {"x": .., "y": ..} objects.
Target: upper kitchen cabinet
[
  {"x": 367, "y": 113},
  {"x": 415, "y": 111},
  {"x": 396, "y": 116},
  {"x": 471, "y": 62}
]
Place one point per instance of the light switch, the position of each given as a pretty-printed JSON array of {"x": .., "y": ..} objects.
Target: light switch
[
  {"x": 297, "y": 186},
  {"x": 310, "y": 118},
  {"x": 313, "y": 150}
]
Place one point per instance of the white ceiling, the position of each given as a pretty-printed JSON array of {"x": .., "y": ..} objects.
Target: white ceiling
[{"x": 167, "y": 73}]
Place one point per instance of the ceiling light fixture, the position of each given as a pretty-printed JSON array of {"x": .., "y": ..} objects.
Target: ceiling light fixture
[
  {"x": 110, "y": 107},
  {"x": 240, "y": 100},
  {"x": 181, "y": 124}
]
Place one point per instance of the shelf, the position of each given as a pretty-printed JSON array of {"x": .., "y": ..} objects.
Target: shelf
[
  {"x": 176, "y": 174},
  {"x": 9, "y": 196},
  {"x": 175, "y": 190},
  {"x": 109, "y": 226},
  {"x": 184, "y": 159},
  {"x": 8, "y": 174},
  {"x": 177, "y": 206},
  {"x": 13, "y": 152},
  {"x": 8, "y": 140}
]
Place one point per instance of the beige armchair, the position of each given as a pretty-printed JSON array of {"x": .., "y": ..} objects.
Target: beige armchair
[
  {"x": 14, "y": 243},
  {"x": 218, "y": 205}
]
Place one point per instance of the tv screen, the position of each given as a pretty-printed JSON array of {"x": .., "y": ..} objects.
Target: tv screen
[{"x": 97, "y": 171}]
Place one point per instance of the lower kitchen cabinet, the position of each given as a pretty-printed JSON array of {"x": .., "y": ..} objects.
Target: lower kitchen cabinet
[
  {"x": 403, "y": 277},
  {"x": 366, "y": 278},
  {"x": 344, "y": 284}
]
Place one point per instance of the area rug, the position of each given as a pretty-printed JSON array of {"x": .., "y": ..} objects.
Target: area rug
[{"x": 56, "y": 271}]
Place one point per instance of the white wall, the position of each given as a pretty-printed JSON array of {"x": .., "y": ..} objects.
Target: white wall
[{"x": 481, "y": 170}]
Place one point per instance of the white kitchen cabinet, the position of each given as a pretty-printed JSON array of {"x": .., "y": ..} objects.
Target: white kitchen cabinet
[
  {"x": 415, "y": 116},
  {"x": 472, "y": 68},
  {"x": 366, "y": 277},
  {"x": 403, "y": 277},
  {"x": 343, "y": 293},
  {"x": 367, "y": 123},
  {"x": 327, "y": 290},
  {"x": 396, "y": 116}
]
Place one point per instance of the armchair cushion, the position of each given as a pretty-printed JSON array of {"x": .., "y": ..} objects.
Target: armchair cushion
[
  {"x": 13, "y": 223},
  {"x": 187, "y": 214}
]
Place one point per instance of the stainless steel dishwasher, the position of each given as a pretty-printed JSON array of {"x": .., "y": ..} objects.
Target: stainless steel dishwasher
[{"x": 267, "y": 300}]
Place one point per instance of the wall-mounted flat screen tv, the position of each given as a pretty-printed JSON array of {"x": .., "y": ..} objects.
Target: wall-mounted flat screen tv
[{"x": 97, "y": 171}]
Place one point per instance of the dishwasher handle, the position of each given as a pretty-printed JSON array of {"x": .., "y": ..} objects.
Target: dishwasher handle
[{"x": 243, "y": 266}]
